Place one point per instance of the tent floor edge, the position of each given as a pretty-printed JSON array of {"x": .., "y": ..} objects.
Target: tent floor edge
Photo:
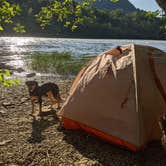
[{"x": 71, "y": 124}]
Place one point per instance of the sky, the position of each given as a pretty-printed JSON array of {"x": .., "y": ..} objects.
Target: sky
[{"x": 149, "y": 5}]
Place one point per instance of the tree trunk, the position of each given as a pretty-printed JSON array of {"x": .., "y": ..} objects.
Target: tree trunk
[{"x": 162, "y": 4}]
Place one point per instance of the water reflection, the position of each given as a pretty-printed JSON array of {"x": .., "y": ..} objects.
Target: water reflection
[
  {"x": 16, "y": 45},
  {"x": 16, "y": 48},
  {"x": 76, "y": 46}
]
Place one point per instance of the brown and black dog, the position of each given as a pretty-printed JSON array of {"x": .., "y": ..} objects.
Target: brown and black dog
[{"x": 36, "y": 92}]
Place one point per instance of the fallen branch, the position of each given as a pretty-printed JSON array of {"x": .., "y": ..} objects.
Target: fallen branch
[{"x": 5, "y": 142}]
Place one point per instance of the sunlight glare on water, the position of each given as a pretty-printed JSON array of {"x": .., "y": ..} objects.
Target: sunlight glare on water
[
  {"x": 12, "y": 45},
  {"x": 17, "y": 44},
  {"x": 14, "y": 50}
]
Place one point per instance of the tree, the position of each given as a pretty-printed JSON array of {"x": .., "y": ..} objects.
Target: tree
[
  {"x": 162, "y": 4},
  {"x": 69, "y": 12},
  {"x": 7, "y": 12}
]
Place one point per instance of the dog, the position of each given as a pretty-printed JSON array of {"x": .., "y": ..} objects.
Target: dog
[{"x": 36, "y": 92}]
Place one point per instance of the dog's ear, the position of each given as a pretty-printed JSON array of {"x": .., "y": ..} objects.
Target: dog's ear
[
  {"x": 27, "y": 83},
  {"x": 30, "y": 83}
]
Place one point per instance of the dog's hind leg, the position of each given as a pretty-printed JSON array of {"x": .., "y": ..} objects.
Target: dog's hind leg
[
  {"x": 40, "y": 106},
  {"x": 52, "y": 98},
  {"x": 57, "y": 97}
]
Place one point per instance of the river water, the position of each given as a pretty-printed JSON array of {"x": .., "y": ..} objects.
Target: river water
[{"x": 14, "y": 49}]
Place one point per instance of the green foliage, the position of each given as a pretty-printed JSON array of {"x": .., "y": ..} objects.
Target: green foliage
[
  {"x": 1, "y": 28},
  {"x": 68, "y": 12},
  {"x": 4, "y": 74},
  {"x": 7, "y": 12},
  {"x": 109, "y": 24},
  {"x": 70, "y": 17},
  {"x": 152, "y": 14},
  {"x": 67, "y": 18},
  {"x": 114, "y": 1},
  {"x": 19, "y": 28},
  {"x": 62, "y": 63}
]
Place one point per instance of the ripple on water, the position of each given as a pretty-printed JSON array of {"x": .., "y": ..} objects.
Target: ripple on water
[{"x": 13, "y": 50}]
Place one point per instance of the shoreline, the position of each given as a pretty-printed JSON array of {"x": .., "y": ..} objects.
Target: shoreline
[
  {"x": 29, "y": 141},
  {"x": 81, "y": 38}
]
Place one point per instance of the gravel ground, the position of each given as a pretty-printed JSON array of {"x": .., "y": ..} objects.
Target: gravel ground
[{"x": 29, "y": 141}]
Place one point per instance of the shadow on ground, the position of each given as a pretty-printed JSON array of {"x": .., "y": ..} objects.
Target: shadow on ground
[
  {"x": 39, "y": 124},
  {"x": 108, "y": 154},
  {"x": 95, "y": 149}
]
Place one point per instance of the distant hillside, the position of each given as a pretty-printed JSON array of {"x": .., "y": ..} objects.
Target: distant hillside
[{"x": 125, "y": 5}]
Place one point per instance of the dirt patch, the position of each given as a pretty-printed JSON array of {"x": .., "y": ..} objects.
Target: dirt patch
[{"x": 29, "y": 141}]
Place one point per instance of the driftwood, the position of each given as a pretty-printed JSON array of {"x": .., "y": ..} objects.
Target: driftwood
[{"x": 5, "y": 142}]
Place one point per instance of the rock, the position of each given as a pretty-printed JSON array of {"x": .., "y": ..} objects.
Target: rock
[
  {"x": 2, "y": 163},
  {"x": 24, "y": 99},
  {"x": 91, "y": 163},
  {"x": 5, "y": 66},
  {"x": 82, "y": 162},
  {"x": 19, "y": 70},
  {"x": 2, "y": 112},
  {"x": 6, "y": 104},
  {"x": 30, "y": 75}
]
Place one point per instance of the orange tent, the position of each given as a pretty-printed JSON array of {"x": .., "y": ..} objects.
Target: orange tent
[{"x": 119, "y": 96}]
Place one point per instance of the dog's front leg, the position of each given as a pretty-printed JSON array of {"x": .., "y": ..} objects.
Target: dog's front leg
[
  {"x": 33, "y": 105},
  {"x": 40, "y": 105}
]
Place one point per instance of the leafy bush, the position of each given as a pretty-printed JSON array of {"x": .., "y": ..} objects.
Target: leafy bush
[{"x": 4, "y": 74}]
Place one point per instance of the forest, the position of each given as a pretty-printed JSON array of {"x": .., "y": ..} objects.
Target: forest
[{"x": 94, "y": 23}]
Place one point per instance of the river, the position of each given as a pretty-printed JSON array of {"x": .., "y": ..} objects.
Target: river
[{"x": 14, "y": 49}]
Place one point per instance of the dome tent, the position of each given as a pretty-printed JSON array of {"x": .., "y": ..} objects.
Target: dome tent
[{"x": 119, "y": 96}]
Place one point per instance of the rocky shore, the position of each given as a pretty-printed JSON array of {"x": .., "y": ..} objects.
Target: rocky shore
[{"x": 30, "y": 141}]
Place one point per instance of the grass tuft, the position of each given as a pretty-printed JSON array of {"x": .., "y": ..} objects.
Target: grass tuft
[{"x": 60, "y": 63}]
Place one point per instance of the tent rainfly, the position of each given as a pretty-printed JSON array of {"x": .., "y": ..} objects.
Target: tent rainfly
[{"x": 119, "y": 96}]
